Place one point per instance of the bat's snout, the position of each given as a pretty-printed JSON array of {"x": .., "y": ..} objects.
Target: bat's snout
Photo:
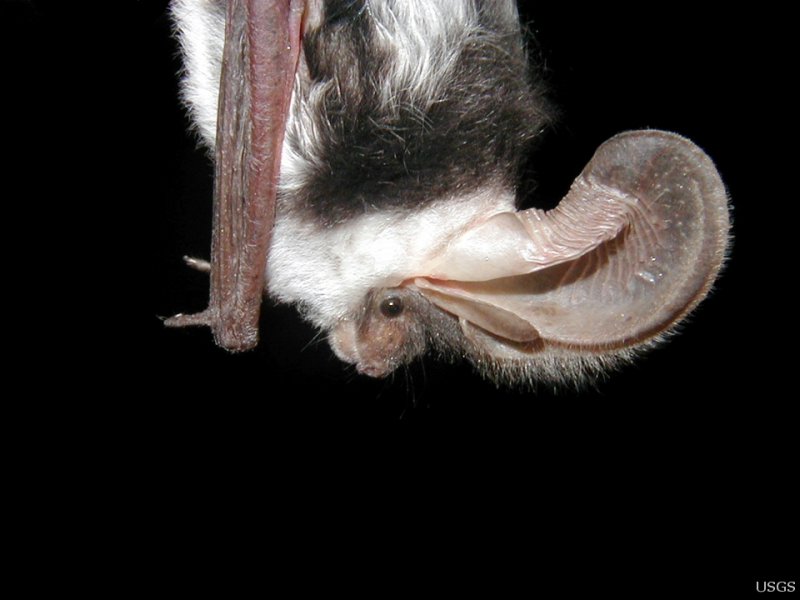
[{"x": 344, "y": 342}]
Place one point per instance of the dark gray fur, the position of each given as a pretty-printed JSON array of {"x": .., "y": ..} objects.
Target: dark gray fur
[{"x": 377, "y": 157}]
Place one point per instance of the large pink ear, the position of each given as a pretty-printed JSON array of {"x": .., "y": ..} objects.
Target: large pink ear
[{"x": 634, "y": 246}]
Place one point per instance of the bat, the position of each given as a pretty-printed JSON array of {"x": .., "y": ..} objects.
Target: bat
[{"x": 367, "y": 157}]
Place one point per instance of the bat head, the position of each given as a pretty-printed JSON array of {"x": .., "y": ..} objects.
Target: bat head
[{"x": 630, "y": 251}]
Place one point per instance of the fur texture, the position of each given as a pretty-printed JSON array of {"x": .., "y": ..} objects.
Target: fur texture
[
  {"x": 407, "y": 126},
  {"x": 394, "y": 143}
]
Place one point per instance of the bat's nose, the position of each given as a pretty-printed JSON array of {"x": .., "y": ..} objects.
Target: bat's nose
[{"x": 373, "y": 370}]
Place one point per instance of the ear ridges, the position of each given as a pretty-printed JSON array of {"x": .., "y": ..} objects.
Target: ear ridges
[{"x": 634, "y": 246}]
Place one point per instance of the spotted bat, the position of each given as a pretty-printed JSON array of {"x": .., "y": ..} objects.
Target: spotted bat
[{"x": 367, "y": 159}]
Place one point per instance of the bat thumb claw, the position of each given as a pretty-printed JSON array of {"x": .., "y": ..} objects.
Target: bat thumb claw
[
  {"x": 198, "y": 263},
  {"x": 181, "y": 320}
]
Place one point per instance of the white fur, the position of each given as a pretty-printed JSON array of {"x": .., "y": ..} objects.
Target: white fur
[
  {"x": 201, "y": 29},
  {"x": 329, "y": 272},
  {"x": 425, "y": 39}
]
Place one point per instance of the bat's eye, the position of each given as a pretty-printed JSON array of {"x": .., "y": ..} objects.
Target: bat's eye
[{"x": 392, "y": 307}]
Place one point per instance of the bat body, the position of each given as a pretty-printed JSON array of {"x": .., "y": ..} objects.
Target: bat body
[{"x": 374, "y": 186}]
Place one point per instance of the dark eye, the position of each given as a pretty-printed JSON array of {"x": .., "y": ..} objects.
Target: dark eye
[{"x": 391, "y": 307}]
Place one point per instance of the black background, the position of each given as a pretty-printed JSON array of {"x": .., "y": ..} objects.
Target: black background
[{"x": 683, "y": 460}]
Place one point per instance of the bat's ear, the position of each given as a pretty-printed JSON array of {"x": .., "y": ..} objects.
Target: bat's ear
[{"x": 634, "y": 246}]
